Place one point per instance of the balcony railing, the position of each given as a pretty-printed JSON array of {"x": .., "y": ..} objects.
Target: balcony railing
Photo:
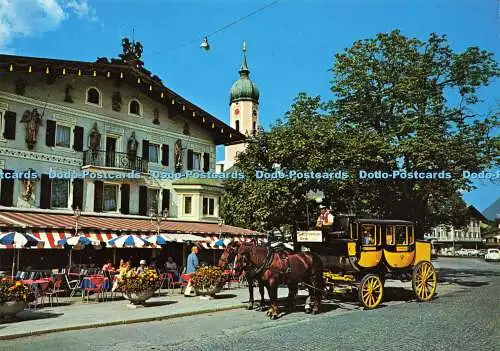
[{"x": 114, "y": 160}]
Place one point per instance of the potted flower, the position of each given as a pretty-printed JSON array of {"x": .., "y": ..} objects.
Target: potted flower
[
  {"x": 208, "y": 281},
  {"x": 13, "y": 297},
  {"x": 139, "y": 287}
]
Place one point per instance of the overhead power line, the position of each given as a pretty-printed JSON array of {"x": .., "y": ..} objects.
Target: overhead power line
[{"x": 221, "y": 29}]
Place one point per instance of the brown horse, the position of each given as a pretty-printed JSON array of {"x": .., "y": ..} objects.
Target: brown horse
[
  {"x": 277, "y": 268},
  {"x": 227, "y": 256}
]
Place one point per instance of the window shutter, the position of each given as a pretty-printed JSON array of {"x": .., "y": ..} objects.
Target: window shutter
[
  {"x": 143, "y": 200},
  {"x": 98, "y": 193},
  {"x": 206, "y": 162},
  {"x": 125, "y": 199},
  {"x": 78, "y": 139},
  {"x": 78, "y": 193},
  {"x": 45, "y": 191},
  {"x": 10, "y": 125},
  {"x": 190, "y": 160},
  {"x": 145, "y": 150},
  {"x": 165, "y": 201},
  {"x": 164, "y": 155},
  {"x": 50, "y": 136},
  {"x": 7, "y": 187}
]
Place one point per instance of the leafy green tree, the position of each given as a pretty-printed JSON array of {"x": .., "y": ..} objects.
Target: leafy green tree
[
  {"x": 403, "y": 90},
  {"x": 394, "y": 108}
]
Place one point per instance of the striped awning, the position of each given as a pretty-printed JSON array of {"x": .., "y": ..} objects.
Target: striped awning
[
  {"x": 211, "y": 245},
  {"x": 52, "y": 227},
  {"x": 50, "y": 238}
]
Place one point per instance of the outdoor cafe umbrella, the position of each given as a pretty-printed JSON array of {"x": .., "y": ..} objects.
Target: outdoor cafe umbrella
[
  {"x": 19, "y": 240},
  {"x": 159, "y": 239},
  {"x": 130, "y": 241},
  {"x": 77, "y": 243}
]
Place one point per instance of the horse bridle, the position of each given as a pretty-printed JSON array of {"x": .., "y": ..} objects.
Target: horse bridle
[
  {"x": 231, "y": 250},
  {"x": 248, "y": 265}
]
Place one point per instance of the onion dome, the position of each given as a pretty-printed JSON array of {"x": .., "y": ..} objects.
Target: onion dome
[{"x": 244, "y": 88}]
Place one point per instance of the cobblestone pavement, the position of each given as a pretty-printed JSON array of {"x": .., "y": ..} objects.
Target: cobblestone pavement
[{"x": 464, "y": 316}]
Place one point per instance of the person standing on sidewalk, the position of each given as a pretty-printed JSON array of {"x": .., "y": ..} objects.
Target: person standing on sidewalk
[{"x": 192, "y": 261}]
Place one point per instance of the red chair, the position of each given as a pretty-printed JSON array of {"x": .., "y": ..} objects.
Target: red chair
[
  {"x": 54, "y": 291},
  {"x": 184, "y": 281},
  {"x": 96, "y": 286},
  {"x": 172, "y": 284}
]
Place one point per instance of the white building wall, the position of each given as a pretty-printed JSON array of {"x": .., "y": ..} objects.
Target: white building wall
[{"x": 15, "y": 155}]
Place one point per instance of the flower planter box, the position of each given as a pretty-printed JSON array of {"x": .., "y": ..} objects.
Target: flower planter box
[
  {"x": 139, "y": 298},
  {"x": 11, "y": 308},
  {"x": 209, "y": 291}
]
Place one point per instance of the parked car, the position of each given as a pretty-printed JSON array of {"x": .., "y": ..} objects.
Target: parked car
[
  {"x": 492, "y": 255},
  {"x": 482, "y": 252},
  {"x": 473, "y": 252},
  {"x": 461, "y": 252}
]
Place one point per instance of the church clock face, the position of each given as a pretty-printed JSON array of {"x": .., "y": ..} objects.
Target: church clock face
[{"x": 237, "y": 111}]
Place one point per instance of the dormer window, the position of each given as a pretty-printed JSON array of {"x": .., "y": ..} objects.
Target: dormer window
[
  {"x": 93, "y": 96},
  {"x": 134, "y": 108}
]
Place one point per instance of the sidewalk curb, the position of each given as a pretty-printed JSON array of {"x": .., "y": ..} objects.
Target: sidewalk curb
[{"x": 131, "y": 321}]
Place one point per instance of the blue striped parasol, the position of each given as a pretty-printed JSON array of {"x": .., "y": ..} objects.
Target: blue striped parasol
[
  {"x": 159, "y": 239},
  {"x": 19, "y": 240},
  {"x": 128, "y": 241}
]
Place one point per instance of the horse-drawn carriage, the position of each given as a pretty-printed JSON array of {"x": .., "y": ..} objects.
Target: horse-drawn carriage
[{"x": 359, "y": 254}]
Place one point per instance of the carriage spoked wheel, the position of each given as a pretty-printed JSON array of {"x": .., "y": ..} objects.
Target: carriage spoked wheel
[
  {"x": 424, "y": 281},
  {"x": 370, "y": 291}
]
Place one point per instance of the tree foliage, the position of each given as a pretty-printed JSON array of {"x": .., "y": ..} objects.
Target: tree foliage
[{"x": 400, "y": 104}]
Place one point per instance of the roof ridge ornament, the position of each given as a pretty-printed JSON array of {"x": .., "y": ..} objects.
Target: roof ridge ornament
[{"x": 132, "y": 52}]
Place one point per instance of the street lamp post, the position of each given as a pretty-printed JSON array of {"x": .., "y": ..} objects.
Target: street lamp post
[
  {"x": 77, "y": 213},
  {"x": 156, "y": 218},
  {"x": 220, "y": 224}
]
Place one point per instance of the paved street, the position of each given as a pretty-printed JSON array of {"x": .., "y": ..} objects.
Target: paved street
[{"x": 464, "y": 316}]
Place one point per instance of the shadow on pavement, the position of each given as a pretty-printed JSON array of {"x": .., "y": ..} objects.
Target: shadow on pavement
[
  {"x": 465, "y": 277},
  {"x": 33, "y": 315},
  {"x": 225, "y": 296},
  {"x": 159, "y": 303}
]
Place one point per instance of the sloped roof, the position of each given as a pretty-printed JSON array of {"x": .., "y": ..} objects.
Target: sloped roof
[
  {"x": 24, "y": 219},
  {"x": 134, "y": 75}
]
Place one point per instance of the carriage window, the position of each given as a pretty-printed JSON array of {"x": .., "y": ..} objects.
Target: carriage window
[
  {"x": 368, "y": 232},
  {"x": 389, "y": 235},
  {"x": 411, "y": 235},
  {"x": 353, "y": 231},
  {"x": 401, "y": 235}
]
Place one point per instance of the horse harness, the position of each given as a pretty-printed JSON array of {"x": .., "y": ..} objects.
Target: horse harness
[{"x": 283, "y": 261}]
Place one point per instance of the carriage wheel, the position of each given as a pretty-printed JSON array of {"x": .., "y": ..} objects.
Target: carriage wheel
[
  {"x": 370, "y": 291},
  {"x": 424, "y": 281}
]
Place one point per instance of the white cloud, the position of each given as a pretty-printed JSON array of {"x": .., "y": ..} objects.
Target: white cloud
[
  {"x": 34, "y": 17},
  {"x": 82, "y": 9}
]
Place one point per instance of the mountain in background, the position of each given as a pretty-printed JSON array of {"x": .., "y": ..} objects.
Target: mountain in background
[{"x": 493, "y": 211}]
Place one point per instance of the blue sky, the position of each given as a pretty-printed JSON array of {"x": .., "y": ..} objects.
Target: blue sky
[{"x": 291, "y": 44}]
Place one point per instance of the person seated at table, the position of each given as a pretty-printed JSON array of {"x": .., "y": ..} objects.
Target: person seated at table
[
  {"x": 108, "y": 267},
  {"x": 171, "y": 267},
  {"x": 152, "y": 264},
  {"x": 142, "y": 267}
]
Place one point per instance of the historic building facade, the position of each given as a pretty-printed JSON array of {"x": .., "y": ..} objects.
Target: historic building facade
[
  {"x": 60, "y": 118},
  {"x": 108, "y": 138},
  {"x": 448, "y": 238}
]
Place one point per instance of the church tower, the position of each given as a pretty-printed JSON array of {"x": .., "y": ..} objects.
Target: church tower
[{"x": 243, "y": 110}]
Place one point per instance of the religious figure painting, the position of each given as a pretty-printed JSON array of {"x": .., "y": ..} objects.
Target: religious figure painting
[{"x": 32, "y": 120}]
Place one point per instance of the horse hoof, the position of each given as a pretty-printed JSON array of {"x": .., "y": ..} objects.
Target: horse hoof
[
  {"x": 308, "y": 310},
  {"x": 315, "y": 312},
  {"x": 249, "y": 307}
]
